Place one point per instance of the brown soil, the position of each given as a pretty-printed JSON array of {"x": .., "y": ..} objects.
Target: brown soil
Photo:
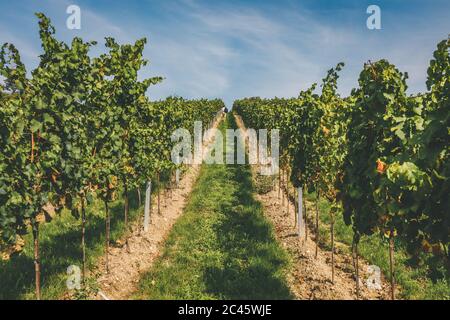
[
  {"x": 127, "y": 263},
  {"x": 310, "y": 277}
]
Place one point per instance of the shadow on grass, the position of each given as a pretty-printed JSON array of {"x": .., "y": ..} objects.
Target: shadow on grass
[{"x": 254, "y": 263}]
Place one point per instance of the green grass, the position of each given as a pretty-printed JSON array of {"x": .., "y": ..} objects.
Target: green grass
[
  {"x": 60, "y": 247},
  {"x": 222, "y": 247},
  {"x": 414, "y": 281}
]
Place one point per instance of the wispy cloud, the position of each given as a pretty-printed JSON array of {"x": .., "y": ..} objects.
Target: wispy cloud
[{"x": 236, "y": 49}]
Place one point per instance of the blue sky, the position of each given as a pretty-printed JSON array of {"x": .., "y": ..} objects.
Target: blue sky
[{"x": 233, "y": 49}]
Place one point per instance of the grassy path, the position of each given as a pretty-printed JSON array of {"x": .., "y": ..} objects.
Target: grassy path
[{"x": 222, "y": 247}]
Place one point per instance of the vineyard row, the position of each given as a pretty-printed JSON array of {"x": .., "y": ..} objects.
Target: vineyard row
[
  {"x": 380, "y": 156},
  {"x": 80, "y": 128}
]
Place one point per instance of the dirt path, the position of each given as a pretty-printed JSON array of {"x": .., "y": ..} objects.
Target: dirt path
[
  {"x": 310, "y": 278},
  {"x": 127, "y": 264}
]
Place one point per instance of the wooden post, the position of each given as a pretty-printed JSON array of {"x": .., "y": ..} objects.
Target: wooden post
[
  {"x": 356, "y": 265},
  {"x": 159, "y": 194},
  {"x": 127, "y": 204},
  {"x": 332, "y": 248},
  {"x": 279, "y": 182},
  {"x": 357, "y": 271},
  {"x": 317, "y": 223},
  {"x": 391, "y": 263},
  {"x": 171, "y": 184},
  {"x": 288, "y": 200},
  {"x": 108, "y": 227},
  {"x": 287, "y": 190},
  {"x": 37, "y": 262},
  {"x": 127, "y": 210},
  {"x": 139, "y": 196},
  {"x": 83, "y": 237},
  {"x": 300, "y": 210},
  {"x": 306, "y": 218},
  {"x": 148, "y": 194},
  {"x": 295, "y": 207}
]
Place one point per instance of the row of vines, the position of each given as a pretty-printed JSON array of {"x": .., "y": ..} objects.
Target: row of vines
[
  {"x": 379, "y": 155},
  {"x": 79, "y": 128}
]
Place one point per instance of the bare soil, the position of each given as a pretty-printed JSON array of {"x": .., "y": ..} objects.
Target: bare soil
[
  {"x": 127, "y": 263},
  {"x": 310, "y": 277}
]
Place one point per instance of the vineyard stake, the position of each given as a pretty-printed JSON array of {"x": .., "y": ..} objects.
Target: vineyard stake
[
  {"x": 148, "y": 194},
  {"x": 127, "y": 210},
  {"x": 356, "y": 264},
  {"x": 273, "y": 175},
  {"x": 127, "y": 205},
  {"x": 287, "y": 190},
  {"x": 306, "y": 217},
  {"x": 108, "y": 226},
  {"x": 332, "y": 248},
  {"x": 300, "y": 210},
  {"x": 357, "y": 271},
  {"x": 159, "y": 194},
  {"x": 172, "y": 184},
  {"x": 279, "y": 183},
  {"x": 37, "y": 263},
  {"x": 139, "y": 195},
  {"x": 391, "y": 263},
  {"x": 317, "y": 222},
  {"x": 282, "y": 192},
  {"x": 288, "y": 202},
  {"x": 83, "y": 237},
  {"x": 295, "y": 207}
]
